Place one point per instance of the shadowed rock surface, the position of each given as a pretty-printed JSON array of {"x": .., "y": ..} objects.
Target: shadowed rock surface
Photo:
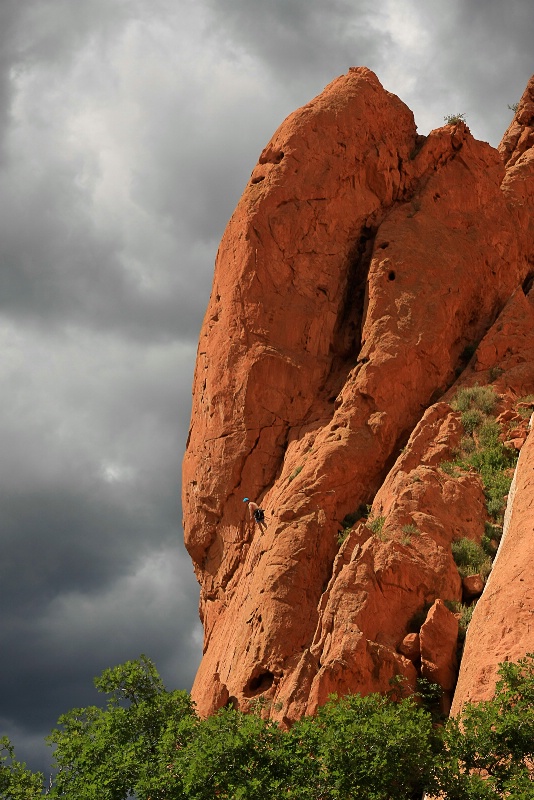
[{"x": 366, "y": 273}]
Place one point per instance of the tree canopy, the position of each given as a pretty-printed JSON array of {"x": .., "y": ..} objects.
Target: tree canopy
[{"x": 148, "y": 743}]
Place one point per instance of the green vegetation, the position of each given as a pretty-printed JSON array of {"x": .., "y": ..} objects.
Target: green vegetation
[
  {"x": 471, "y": 419},
  {"x": 454, "y": 119},
  {"x": 411, "y": 529},
  {"x": 482, "y": 398},
  {"x": 482, "y": 449},
  {"x": 526, "y": 412},
  {"x": 17, "y": 782},
  {"x": 296, "y": 472},
  {"x": 488, "y": 749},
  {"x": 376, "y": 524},
  {"x": 408, "y": 531},
  {"x": 465, "y": 613},
  {"x": 492, "y": 537},
  {"x": 471, "y": 558},
  {"x": 149, "y": 743},
  {"x": 342, "y": 535},
  {"x": 513, "y": 107}
]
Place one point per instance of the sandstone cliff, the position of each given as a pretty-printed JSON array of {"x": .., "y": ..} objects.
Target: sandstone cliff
[{"x": 366, "y": 274}]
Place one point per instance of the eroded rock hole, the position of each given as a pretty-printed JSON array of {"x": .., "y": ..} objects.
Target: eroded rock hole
[
  {"x": 260, "y": 683},
  {"x": 271, "y": 156},
  {"x": 258, "y": 179},
  {"x": 391, "y": 275},
  {"x": 383, "y": 245},
  {"x": 528, "y": 283}
]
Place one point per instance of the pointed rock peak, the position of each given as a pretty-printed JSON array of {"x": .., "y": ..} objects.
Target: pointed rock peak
[{"x": 520, "y": 134}]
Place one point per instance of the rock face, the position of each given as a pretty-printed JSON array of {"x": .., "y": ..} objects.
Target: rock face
[
  {"x": 361, "y": 269},
  {"x": 502, "y": 627},
  {"x": 438, "y": 642}
]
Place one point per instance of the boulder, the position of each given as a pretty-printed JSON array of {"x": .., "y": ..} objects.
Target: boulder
[
  {"x": 472, "y": 586},
  {"x": 411, "y": 647},
  {"x": 438, "y": 640}
]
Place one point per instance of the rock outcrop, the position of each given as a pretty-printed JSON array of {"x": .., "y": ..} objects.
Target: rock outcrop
[
  {"x": 366, "y": 273},
  {"x": 502, "y": 627}
]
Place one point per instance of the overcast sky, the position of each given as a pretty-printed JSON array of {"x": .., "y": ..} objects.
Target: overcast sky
[{"x": 128, "y": 129}]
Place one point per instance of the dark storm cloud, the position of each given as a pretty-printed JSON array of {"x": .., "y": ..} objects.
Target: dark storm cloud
[
  {"x": 79, "y": 242},
  {"x": 93, "y": 570},
  {"x": 302, "y": 43},
  {"x": 439, "y": 58},
  {"x": 480, "y": 61},
  {"x": 128, "y": 131}
]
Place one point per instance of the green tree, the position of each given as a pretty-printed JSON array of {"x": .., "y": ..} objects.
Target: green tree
[
  {"x": 112, "y": 753},
  {"x": 366, "y": 747},
  {"x": 233, "y": 756},
  {"x": 489, "y": 749},
  {"x": 16, "y": 781},
  {"x": 148, "y": 743}
]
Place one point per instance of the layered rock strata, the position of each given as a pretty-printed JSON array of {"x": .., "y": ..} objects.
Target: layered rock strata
[{"x": 361, "y": 268}]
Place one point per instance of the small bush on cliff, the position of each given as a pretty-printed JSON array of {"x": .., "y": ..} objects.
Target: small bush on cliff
[
  {"x": 454, "y": 119},
  {"x": 482, "y": 449},
  {"x": 481, "y": 397},
  {"x": 495, "y": 462},
  {"x": 464, "y": 612},
  {"x": 471, "y": 419},
  {"x": 376, "y": 524},
  {"x": 470, "y": 558},
  {"x": 490, "y": 540},
  {"x": 342, "y": 535},
  {"x": 296, "y": 472}
]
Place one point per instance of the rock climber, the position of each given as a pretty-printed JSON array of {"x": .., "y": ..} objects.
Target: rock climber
[{"x": 256, "y": 512}]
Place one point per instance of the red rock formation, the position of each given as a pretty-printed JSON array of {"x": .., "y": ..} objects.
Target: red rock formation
[
  {"x": 502, "y": 626},
  {"x": 359, "y": 264},
  {"x": 438, "y": 641}
]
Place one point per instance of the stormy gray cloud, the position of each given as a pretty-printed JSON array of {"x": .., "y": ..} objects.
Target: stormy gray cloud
[{"x": 128, "y": 130}]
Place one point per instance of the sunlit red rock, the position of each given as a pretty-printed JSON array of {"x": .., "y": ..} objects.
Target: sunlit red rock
[
  {"x": 472, "y": 586},
  {"x": 438, "y": 641},
  {"x": 502, "y": 626},
  {"x": 361, "y": 264}
]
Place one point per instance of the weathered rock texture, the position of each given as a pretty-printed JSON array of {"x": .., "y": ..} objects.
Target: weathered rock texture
[
  {"x": 502, "y": 627},
  {"x": 360, "y": 265}
]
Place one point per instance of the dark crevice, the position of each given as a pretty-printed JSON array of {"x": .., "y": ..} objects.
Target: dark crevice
[
  {"x": 346, "y": 340},
  {"x": 259, "y": 683},
  {"x": 347, "y": 337},
  {"x": 396, "y": 451},
  {"x": 528, "y": 283}
]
